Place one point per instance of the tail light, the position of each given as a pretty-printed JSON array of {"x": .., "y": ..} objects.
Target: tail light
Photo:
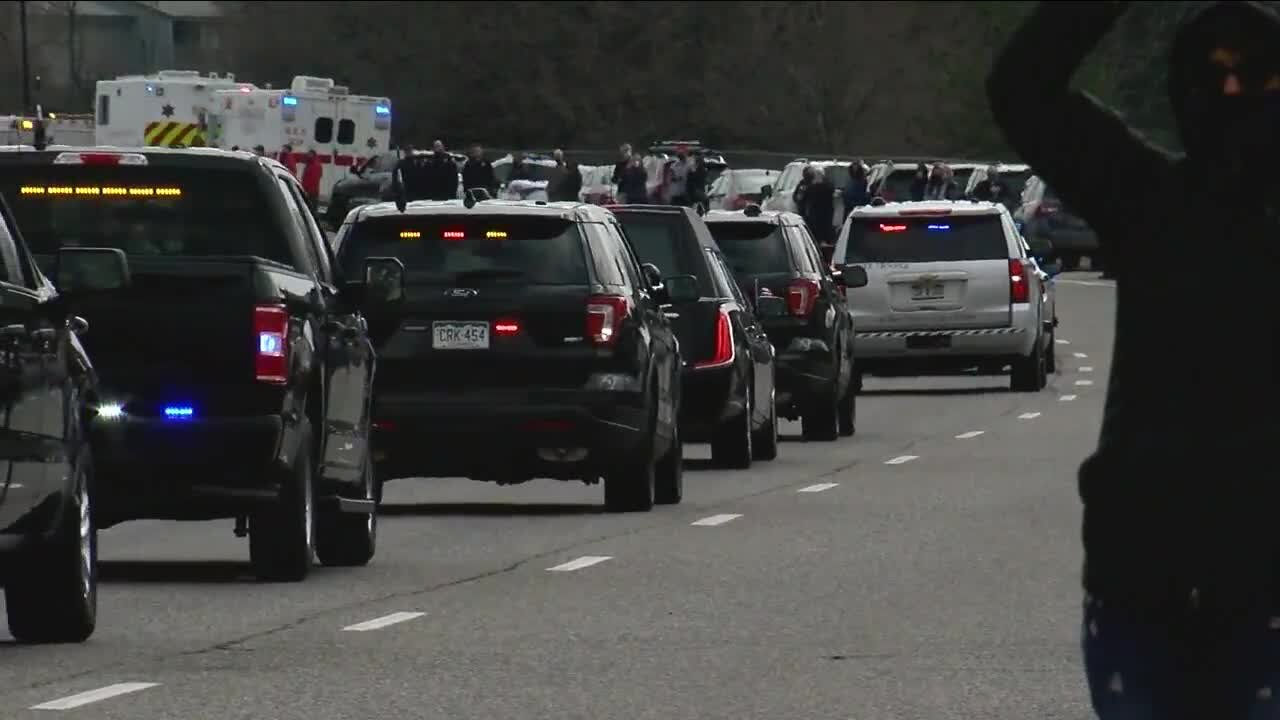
[
  {"x": 271, "y": 330},
  {"x": 801, "y": 296},
  {"x": 1019, "y": 290},
  {"x": 724, "y": 343},
  {"x": 605, "y": 314}
]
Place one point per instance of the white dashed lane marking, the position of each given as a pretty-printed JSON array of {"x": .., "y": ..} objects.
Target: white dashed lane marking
[
  {"x": 384, "y": 621},
  {"x": 970, "y": 434},
  {"x": 1080, "y": 355},
  {"x": 1062, "y": 342},
  {"x": 92, "y": 696},
  {"x": 585, "y": 561},
  {"x": 818, "y": 488},
  {"x": 1086, "y": 368},
  {"x": 901, "y": 459},
  {"x": 1066, "y": 398},
  {"x": 1084, "y": 382},
  {"x": 1029, "y": 416},
  {"x": 715, "y": 520}
]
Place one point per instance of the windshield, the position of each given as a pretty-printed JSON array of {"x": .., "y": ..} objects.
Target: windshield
[
  {"x": 445, "y": 249},
  {"x": 752, "y": 248},
  {"x": 144, "y": 210},
  {"x": 932, "y": 239},
  {"x": 657, "y": 239}
]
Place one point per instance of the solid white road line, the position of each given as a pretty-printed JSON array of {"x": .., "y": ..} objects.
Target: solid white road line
[
  {"x": 1084, "y": 382},
  {"x": 901, "y": 459},
  {"x": 715, "y": 520},
  {"x": 381, "y": 622},
  {"x": 1080, "y": 355},
  {"x": 970, "y": 434},
  {"x": 92, "y": 696},
  {"x": 1088, "y": 283},
  {"x": 818, "y": 488},
  {"x": 585, "y": 561},
  {"x": 1029, "y": 416},
  {"x": 1086, "y": 368},
  {"x": 1066, "y": 398},
  {"x": 1060, "y": 341}
]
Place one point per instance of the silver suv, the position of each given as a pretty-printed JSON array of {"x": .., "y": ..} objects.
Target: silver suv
[{"x": 950, "y": 287}]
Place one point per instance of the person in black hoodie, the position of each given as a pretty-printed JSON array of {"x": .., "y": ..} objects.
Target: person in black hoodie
[
  {"x": 443, "y": 173},
  {"x": 820, "y": 210},
  {"x": 920, "y": 182},
  {"x": 478, "y": 173},
  {"x": 1182, "y": 544}
]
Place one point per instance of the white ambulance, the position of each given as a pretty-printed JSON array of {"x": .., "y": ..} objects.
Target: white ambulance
[
  {"x": 60, "y": 129},
  {"x": 167, "y": 109},
  {"x": 345, "y": 130}
]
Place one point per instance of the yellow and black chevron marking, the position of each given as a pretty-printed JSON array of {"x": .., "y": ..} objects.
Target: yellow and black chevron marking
[{"x": 174, "y": 134}]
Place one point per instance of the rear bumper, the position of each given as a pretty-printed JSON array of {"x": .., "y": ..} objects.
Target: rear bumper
[
  {"x": 709, "y": 397},
  {"x": 507, "y": 435},
  {"x": 154, "y": 468}
]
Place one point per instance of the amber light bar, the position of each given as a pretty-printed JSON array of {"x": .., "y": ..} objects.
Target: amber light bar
[{"x": 96, "y": 190}]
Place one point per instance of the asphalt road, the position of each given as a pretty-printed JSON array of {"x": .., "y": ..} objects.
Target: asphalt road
[{"x": 927, "y": 568}]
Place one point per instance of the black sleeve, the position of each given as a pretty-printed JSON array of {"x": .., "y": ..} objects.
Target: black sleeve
[{"x": 1081, "y": 148}]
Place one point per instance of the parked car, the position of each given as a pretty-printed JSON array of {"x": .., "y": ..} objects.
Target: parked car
[
  {"x": 48, "y": 392},
  {"x": 737, "y": 188},
  {"x": 728, "y": 396}
]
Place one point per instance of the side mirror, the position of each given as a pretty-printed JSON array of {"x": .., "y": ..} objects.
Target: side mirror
[
  {"x": 766, "y": 192},
  {"x": 852, "y": 276},
  {"x": 770, "y": 306},
  {"x": 82, "y": 269},
  {"x": 652, "y": 275},
  {"x": 383, "y": 281},
  {"x": 682, "y": 288}
]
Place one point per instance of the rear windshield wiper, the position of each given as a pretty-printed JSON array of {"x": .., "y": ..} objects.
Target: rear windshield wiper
[{"x": 487, "y": 274}]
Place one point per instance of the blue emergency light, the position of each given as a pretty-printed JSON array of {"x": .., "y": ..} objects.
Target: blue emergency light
[
  {"x": 939, "y": 228},
  {"x": 382, "y": 109},
  {"x": 179, "y": 412},
  {"x": 289, "y": 101}
]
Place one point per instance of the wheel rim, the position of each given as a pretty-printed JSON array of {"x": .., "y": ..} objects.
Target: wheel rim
[
  {"x": 86, "y": 539},
  {"x": 773, "y": 414},
  {"x": 368, "y": 493},
  {"x": 308, "y": 516},
  {"x": 747, "y": 415}
]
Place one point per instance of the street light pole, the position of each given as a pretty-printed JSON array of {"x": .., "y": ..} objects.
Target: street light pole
[{"x": 26, "y": 60}]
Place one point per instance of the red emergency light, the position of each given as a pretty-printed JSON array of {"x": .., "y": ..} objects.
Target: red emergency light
[
  {"x": 453, "y": 235},
  {"x": 892, "y": 228}
]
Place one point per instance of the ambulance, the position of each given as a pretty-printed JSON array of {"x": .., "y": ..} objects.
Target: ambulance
[
  {"x": 345, "y": 130},
  {"x": 167, "y": 109},
  {"x": 60, "y": 129}
]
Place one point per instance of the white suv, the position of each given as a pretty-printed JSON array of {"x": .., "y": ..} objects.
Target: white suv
[{"x": 950, "y": 287}]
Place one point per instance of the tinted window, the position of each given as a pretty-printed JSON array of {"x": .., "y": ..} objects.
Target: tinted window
[
  {"x": 658, "y": 239},
  {"x": 346, "y": 132},
  {"x": 933, "y": 239},
  {"x": 324, "y": 130},
  {"x": 721, "y": 277},
  {"x": 144, "y": 210},
  {"x": 104, "y": 109},
  {"x": 752, "y": 247},
  {"x": 837, "y": 175},
  {"x": 608, "y": 272},
  {"x": 750, "y": 184},
  {"x": 444, "y": 249}
]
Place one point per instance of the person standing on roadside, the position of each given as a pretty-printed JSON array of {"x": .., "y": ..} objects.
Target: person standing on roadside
[
  {"x": 920, "y": 182},
  {"x": 634, "y": 183},
  {"x": 289, "y": 159},
  {"x": 1182, "y": 557},
  {"x": 678, "y": 177},
  {"x": 620, "y": 167},
  {"x": 820, "y": 210},
  {"x": 442, "y": 173},
  {"x": 312, "y": 174},
  {"x": 478, "y": 172},
  {"x": 855, "y": 193}
]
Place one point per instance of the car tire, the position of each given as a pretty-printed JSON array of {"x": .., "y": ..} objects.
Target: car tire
[
  {"x": 53, "y": 595},
  {"x": 822, "y": 423},
  {"x": 1028, "y": 373},
  {"x": 847, "y": 411},
  {"x": 1051, "y": 353},
  {"x": 346, "y": 539},
  {"x": 731, "y": 445},
  {"x": 631, "y": 487},
  {"x": 764, "y": 446},
  {"x": 282, "y": 536},
  {"x": 668, "y": 486}
]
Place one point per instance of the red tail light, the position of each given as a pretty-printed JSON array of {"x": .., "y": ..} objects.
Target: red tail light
[
  {"x": 271, "y": 330},
  {"x": 605, "y": 314},
  {"x": 1019, "y": 290},
  {"x": 506, "y": 326},
  {"x": 724, "y": 343},
  {"x": 801, "y": 297}
]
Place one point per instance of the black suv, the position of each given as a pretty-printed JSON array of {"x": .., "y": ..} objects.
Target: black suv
[
  {"x": 529, "y": 343},
  {"x": 236, "y": 370},
  {"x": 728, "y": 395},
  {"x": 772, "y": 254},
  {"x": 48, "y": 540}
]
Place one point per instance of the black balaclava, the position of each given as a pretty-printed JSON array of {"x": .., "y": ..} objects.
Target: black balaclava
[{"x": 1238, "y": 135}]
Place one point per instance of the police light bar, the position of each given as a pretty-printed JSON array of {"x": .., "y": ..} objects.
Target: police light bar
[
  {"x": 892, "y": 228},
  {"x": 410, "y": 234},
  {"x": 97, "y": 158}
]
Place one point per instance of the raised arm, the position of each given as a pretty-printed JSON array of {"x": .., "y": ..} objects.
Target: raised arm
[{"x": 1083, "y": 149}]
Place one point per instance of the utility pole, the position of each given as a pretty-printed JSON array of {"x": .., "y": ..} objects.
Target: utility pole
[{"x": 26, "y": 59}]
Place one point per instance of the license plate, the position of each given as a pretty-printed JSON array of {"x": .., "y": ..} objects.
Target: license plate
[
  {"x": 928, "y": 342},
  {"x": 927, "y": 291},
  {"x": 460, "y": 335}
]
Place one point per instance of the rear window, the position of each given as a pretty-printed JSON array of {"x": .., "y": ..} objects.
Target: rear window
[
  {"x": 752, "y": 248},
  {"x": 447, "y": 249},
  {"x": 144, "y": 211},
  {"x": 897, "y": 186},
  {"x": 658, "y": 240},
  {"x": 931, "y": 239}
]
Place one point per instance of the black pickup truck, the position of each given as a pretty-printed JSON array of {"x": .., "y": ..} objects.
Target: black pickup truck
[
  {"x": 236, "y": 369},
  {"x": 48, "y": 542}
]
